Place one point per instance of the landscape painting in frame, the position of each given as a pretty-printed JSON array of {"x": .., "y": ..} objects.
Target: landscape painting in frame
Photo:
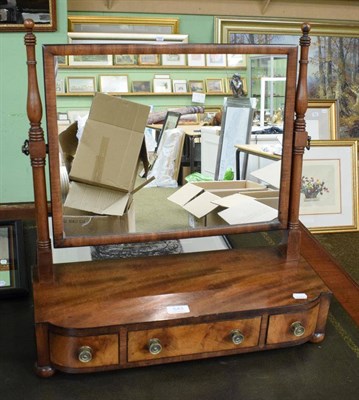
[{"x": 333, "y": 59}]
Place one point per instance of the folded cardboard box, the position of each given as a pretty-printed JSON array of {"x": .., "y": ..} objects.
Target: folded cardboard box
[
  {"x": 105, "y": 164},
  {"x": 201, "y": 199},
  {"x": 79, "y": 223}
]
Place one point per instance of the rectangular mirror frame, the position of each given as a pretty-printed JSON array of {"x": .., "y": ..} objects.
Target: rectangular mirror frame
[{"x": 49, "y": 54}]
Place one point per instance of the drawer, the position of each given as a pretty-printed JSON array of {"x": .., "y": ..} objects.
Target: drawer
[
  {"x": 192, "y": 339},
  {"x": 84, "y": 352},
  {"x": 284, "y": 328}
]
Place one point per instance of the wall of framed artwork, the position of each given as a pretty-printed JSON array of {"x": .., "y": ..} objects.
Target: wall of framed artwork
[
  {"x": 13, "y": 278},
  {"x": 329, "y": 198}
]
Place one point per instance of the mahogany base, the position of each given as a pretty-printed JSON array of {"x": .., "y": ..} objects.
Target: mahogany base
[{"x": 114, "y": 314}]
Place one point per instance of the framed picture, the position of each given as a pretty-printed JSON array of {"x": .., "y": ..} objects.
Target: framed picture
[
  {"x": 156, "y": 26},
  {"x": 196, "y": 86},
  {"x": 329, "y": 192},
  {"x": 141, "y": 86},
  {"x": 113, "y": 83},
  {"x": 13, "y": 279},
  {"x": 196, "y": 60},
  {"x": 148, "y": 59},
  {"x": 124, "y": 59},
  {"x": 81, "y": 84},
  {"x": 42, "y": 12},
  {"x": 162, "y": 85},
  {"x": 330, "y": 39},
  {"x": 174, "y": 59},
  {"x": 89, "y": 60},
  {"x": 214, "y": 85},
  {"x": 322, "y": 119},
  {"x": 237, "y": 60},
  {"x": 216, "y": 60},
  {"x": 179, "y": 85},
  {"x": 76, "y": 115},
  {"x": 60, "y": 85}
]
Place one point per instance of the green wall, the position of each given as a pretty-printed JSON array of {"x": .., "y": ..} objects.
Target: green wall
[{"x": 15, "y": 169}]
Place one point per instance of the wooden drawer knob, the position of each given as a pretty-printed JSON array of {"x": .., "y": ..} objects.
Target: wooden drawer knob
[
  {"x": 297, "y": 328},
  {"x": 85, "y": 354},
  {"x": 237, "y": 336},
  {"x": 154, "y": 346}
]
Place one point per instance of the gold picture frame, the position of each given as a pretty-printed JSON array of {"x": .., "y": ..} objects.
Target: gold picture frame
[
  {"x": 322, "y": 119},
  {"x": 44, "y": 21},
  {"x": 333, "y": 166}
]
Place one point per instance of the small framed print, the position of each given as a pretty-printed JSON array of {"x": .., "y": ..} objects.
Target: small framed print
[
  {"x": 81, "y": 84},
  {"x": 214, "y": 85},
  {"x": 196, "y": 60},
  {"x": 124, "y": 59},
  {"x": 113, "y": 83},
  {"x": 149, "y": 59},
  {"x": 60, "y": 85},
  {"x": 174, "y": 59},
  {"x": 216, "y": 60},
  {"x": 179, "y": 86},
  {"x": 91, "y": 59},
  {"x": 13, "y": 280},
  {"x": 196, "y": 86},
  {"x": 141, "y": 86},
  {"x": 162, "y": 85},
  {"x": 329, "y": 187},
  {"x": 237, "y": 60}
]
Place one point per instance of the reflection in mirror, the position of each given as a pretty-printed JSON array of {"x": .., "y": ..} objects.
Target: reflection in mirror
[{"x": 122, "y": 172}]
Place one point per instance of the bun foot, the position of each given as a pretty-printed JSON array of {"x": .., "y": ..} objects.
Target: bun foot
[
  {"x": 44, "y": 372},
  {"x": 317, "y": 337}
]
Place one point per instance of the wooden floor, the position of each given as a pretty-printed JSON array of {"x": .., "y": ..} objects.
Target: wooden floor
[{"x": 344, "y": 288}]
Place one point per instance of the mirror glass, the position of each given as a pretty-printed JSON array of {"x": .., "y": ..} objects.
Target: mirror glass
[{"x": 209, "y": 119}]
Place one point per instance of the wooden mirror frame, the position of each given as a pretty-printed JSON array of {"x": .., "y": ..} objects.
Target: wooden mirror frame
[{"x": 295, "y": 138}]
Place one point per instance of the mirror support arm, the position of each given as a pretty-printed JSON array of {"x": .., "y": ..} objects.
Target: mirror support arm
[
  {"x": 37, "y": 151},
  {"x": 300, "y": 142}
]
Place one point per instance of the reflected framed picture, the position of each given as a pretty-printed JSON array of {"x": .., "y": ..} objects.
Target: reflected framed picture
[
  {"x": 141, "y": 86},
  {"x": 162, "y": 85},
  {"x": 149, "y": 59},
  {"x": 13, "y": 279},
  {"x": 113, "y": 84},
  {"x": 237, "y": 60},
  {"x": 81, "y": 84},
  {"x": 322, "y": 119},
  {"x": 174, "y": 59},
  {"x": 214, "y": 85},
  {"x": 216, "y": 60},
  {"x": 125, "y": 59},
  {"x": 90, "y": 60},
  {"x": 179, "y": 86},
  {"x": 196, "y": 60},
  {"x": 329, "y": 190},
  {"x": 60, "y": 85},
  {"x": 196, "y": 86}
]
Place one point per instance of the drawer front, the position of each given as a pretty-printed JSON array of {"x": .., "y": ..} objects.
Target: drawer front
[
  {"x": 84, "y": 352},
  {"x": 193, "y": 339},
  {"x": 289, "y": 327}
]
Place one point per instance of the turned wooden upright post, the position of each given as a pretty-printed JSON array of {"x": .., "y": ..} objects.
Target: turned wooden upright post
[
  {"x": 300, "y": 142},
  {"x": 37, "y": 151}
]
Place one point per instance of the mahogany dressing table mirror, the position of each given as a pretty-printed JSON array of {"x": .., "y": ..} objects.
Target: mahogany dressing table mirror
[{"x": 113, "y": 314}]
